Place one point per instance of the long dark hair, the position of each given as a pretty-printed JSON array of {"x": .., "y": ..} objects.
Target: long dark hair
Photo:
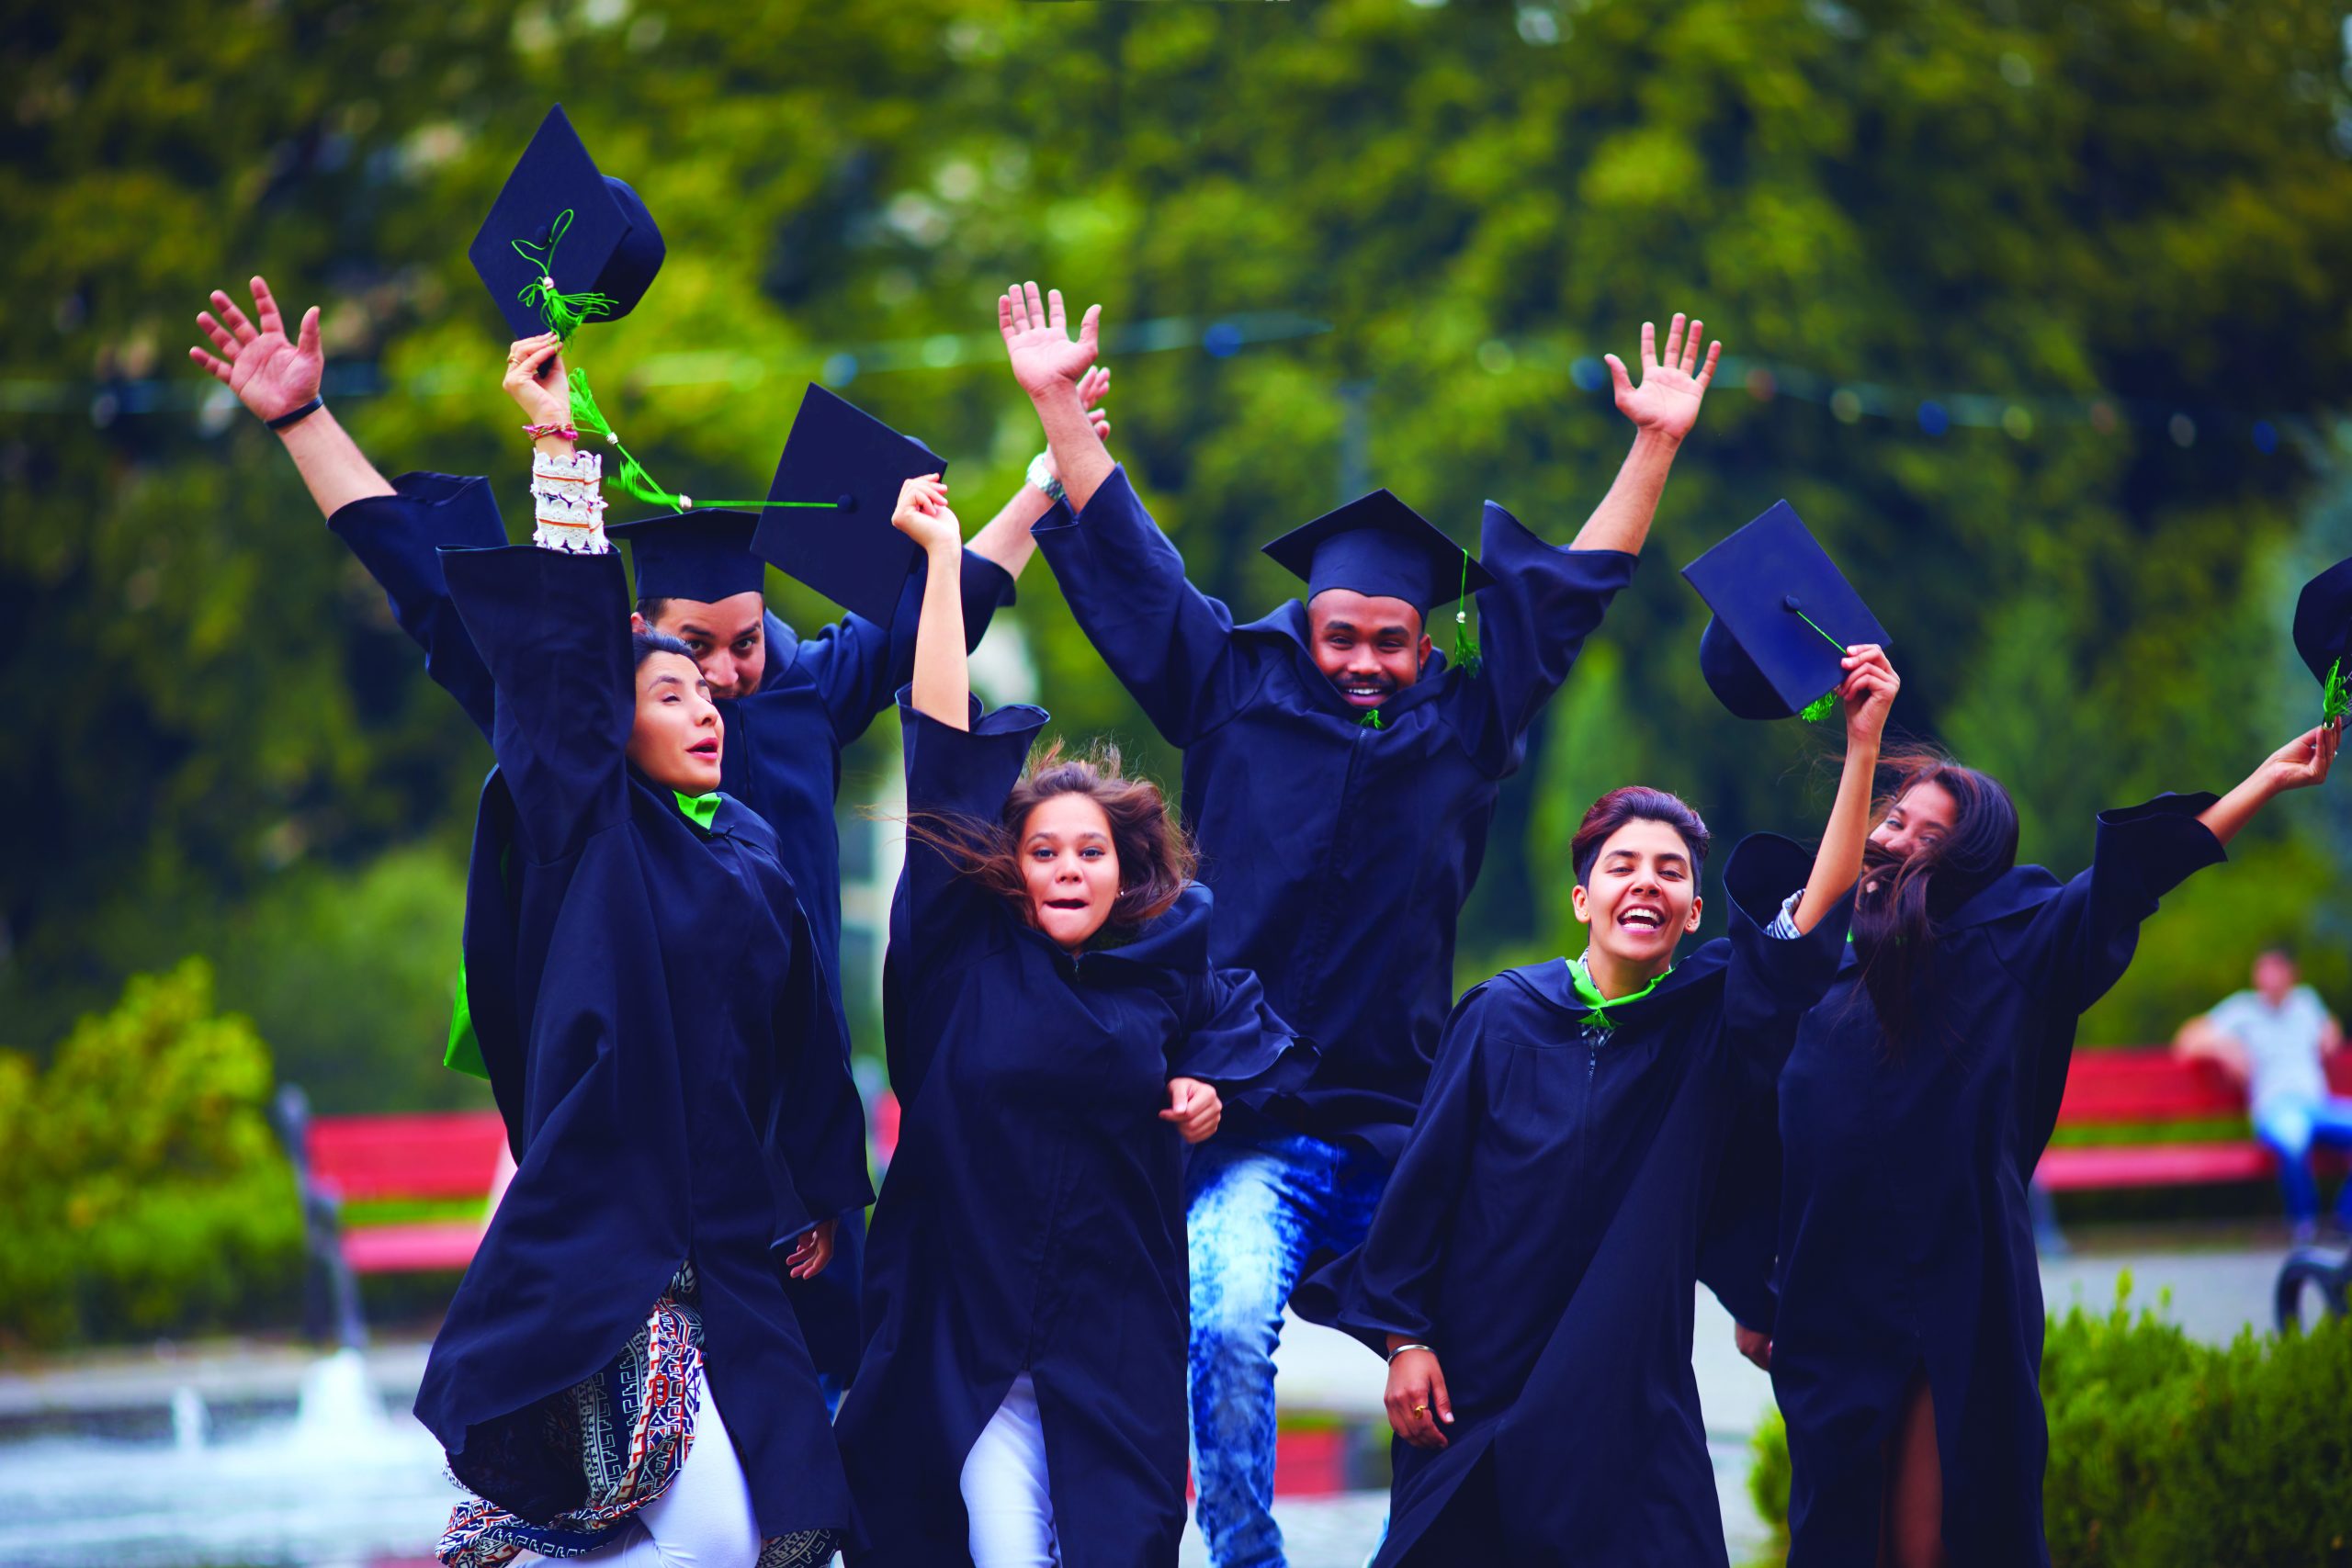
[
  {"x": 1896, "y": 924},
  {"x": 1636, "y": 803},
  {"x": 1156, "y": 856}
]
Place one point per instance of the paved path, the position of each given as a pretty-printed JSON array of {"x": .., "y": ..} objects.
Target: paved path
[{"x": 343, "y": 1485}]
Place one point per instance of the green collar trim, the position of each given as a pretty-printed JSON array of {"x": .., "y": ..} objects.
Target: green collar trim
[
  {"x": 1589, "y": 993},
  {"x": 701, "y": 811}
]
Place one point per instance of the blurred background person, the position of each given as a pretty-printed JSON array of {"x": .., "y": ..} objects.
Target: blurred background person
[{"x": 2274, "y": 1040}]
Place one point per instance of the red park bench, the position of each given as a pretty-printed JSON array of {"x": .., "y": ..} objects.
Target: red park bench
[
  {"x": 430, "y": 1159},
  {"x": 2144, "y": 1089}
]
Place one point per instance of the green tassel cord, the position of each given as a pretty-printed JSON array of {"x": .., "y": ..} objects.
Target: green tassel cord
[
  {"x": 1467, "y": 656},
  {"x": 1822, "y": 706},
  {"x": 631, "y": 477},
  {"x": 564, "y": 313},
  {"x": 1371, "y": 721},
  {"x": 2335, "y": 698}
]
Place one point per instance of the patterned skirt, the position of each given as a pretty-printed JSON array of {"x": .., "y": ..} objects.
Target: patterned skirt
[{"x": 563, "y": 1477}]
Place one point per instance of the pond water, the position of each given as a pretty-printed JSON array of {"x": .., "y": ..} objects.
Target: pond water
[{"x": 338, "y": 1483}]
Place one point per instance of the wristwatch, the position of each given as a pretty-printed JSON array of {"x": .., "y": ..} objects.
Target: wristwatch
[{"x": 1042, "y": 477}]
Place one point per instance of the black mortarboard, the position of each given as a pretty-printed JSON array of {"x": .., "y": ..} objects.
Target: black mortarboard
[
  {"x": 704, "y": 555},
  {"x": 2323, "y": 635},
  {"x": 586, "y": 230},
  {"x": 1783, "y": 617},
  {"x": 846, "y": 549},
  {"x": 1377, "y": 545}
]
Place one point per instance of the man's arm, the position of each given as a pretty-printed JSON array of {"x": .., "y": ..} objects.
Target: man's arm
[
  {"x": 1663, "y": 409},
  {"x": 2201, "y": 1040},
  {"x": 273, "y": 377},
  {"x": 1005, "y": 539}
]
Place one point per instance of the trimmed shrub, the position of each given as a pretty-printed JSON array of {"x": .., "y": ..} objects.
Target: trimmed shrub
[
  {"x": 2167, "y": 1453},
  {"x": 142, "y": 1189}
]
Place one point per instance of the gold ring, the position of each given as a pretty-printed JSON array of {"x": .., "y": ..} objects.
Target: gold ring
[{"x": 1420, "y": 1409}]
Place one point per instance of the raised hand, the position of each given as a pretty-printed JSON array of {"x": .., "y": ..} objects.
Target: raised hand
[
  {"x": 1194, "y": 1107},
  {"x": 922, "y": 514},
  {"x": 2304, "y": 761},
  {"x": 1672, "y": 385},
  {"x": 1037, "y": 341},
  {"x": 270, "y": 375},
  {"x": 1868, "y": 693},
  {"x": 536, "y": 380}
]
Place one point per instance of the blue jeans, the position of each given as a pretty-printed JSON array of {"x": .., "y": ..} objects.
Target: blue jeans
[
  {"x": 1259, "y": 1202},
  {"x": 2290, "y": 1130}
]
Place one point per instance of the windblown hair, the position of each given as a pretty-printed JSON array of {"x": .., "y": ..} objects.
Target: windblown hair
[
  {"x": 1636, "y": 803},
  {"x": 1897, "y": 925},
  {"x": 645, "y": 644},
  {"x": 1156, "y": 856}
]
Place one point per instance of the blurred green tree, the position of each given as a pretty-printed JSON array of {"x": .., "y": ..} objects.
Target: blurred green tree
[{"x": 2102, "y": 241}]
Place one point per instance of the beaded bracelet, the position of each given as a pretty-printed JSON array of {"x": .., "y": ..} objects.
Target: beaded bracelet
[{"x": 538, "y": 431}]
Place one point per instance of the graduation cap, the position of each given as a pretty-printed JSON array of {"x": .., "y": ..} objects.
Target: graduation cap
[
  {"x": 1379, "y": 546},
  {"x": 2323, "y": 636},
  {"x": 705, "y": 553},
  {"x": 835, "y": 488},
  {"x": 563, "y": 244},
  {"x": 1783, "y": 618}
]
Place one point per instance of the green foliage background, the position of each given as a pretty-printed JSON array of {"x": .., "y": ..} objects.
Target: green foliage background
[{"x": 222, "y": 744}]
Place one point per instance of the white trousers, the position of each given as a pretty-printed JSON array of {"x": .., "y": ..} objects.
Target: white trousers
[
  {"x": 1004, "y": 1487},
  {"x": 704, "y": 1520}
]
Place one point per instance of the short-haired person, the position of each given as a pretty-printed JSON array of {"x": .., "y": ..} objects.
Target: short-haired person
[
  {"x": 1530, "y": 1274},
  {"x": 1063, "y": 1036},
  {"x": 1341, "y": 776},
  {"x": 2275, "y": 1040},
  {"x": 791, "y": 704},
  {"x": 666, "y": 1054},
  {"x": 1906, "y": 1348}
]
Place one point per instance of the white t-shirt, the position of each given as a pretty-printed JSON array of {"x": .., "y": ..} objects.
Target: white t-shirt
[{"x": 2281, "y": 1045}]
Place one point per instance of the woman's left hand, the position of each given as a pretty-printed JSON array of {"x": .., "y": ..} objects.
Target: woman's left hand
[
  {"x": 812, "y": 1251},
  {"x": 1194, "y": 1107},
  {"x": 1867, "y": 693},
  {"x": 537, "y": 381}
]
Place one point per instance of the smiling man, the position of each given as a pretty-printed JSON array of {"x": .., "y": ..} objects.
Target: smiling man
[{"x": 1340, "y": 776}]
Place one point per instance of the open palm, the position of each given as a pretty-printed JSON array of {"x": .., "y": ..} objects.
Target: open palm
[
  {"x": 1038, "y": 340},
  {"x": 271, "y": 375},
  {"x": 1672, "y": 385}
]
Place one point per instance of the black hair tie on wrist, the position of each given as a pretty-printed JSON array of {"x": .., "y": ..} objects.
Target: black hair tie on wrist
[{"x": 294, "y": 416}]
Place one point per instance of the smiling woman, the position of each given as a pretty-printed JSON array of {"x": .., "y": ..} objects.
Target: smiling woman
[{"x": 1060, "y": 1037}]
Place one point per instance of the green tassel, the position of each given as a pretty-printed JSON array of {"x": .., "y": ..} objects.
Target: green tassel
[
  {"x": 1467, "y": 656},
  {"x": 1598, "y": 1020},
  {"x": 631, "y": 477},
  {"x": 1371, "y": 721},
  {"x": 564, "y": 313},
  {"x": 2336, "y": 700},
  {"x": 1821, "y": 708}
]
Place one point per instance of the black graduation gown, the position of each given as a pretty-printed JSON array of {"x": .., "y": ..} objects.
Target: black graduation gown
[
  {"x": 662, "y": 1046},
  {"x": 783, "y": 759},
  {"x": 398, "y": 539},
  {"x": 1033, "y": 1218},
  {"x": 1542, "y": 1231},
  {"x": 1340, "y": 855},
  {"x": 783, "y": 756},
  {"x": 1905, "y": 1243}
]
